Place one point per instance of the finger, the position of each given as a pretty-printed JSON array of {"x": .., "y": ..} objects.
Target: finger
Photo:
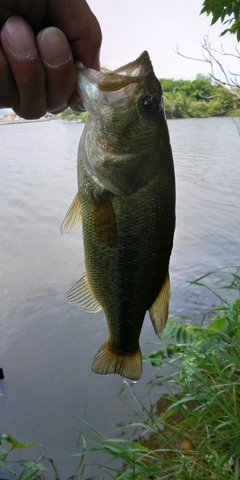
[
  {"x": 75, "y": 103},
  {"x": 8, "y": 90},
  {"x": 76, "y": 20},
  {"x": 18, "y": 42},
  {"x": 33, "y": 12},
  {"x": 59, "y": 68}
]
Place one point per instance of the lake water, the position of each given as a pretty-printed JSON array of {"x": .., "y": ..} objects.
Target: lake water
[{"x": 47, "y": 345}]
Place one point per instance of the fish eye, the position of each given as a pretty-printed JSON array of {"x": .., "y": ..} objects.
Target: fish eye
[{"x": 149, "y": 105}]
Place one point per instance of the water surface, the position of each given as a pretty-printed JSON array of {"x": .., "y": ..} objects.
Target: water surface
[{"x": 47, "y": 345}]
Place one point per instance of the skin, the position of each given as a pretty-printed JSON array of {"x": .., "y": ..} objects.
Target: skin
[{"x": 39, "y": 41}]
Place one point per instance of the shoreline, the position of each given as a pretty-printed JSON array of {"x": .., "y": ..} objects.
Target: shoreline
[{"x": 28, "y": 121}]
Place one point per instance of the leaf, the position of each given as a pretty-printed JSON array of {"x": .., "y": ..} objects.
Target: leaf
[
  {"x": 3, "y": 451},
  {"x": 169, "y": 331},
  {"x": 15, "y": 444},
  {"x": 215, "y": 18},
  {"x": 224, "y": 32},
  {"x": 204, "y": 9},
  {"x": 231, "y": 359},
  {"x": 32, "y": 475},
  {"x": 3, "y": 438},
  {"x": 6, "y": 467},
  {"x": 232, "y": 451},
  {"x": 190, "y": 398},
  {"x": 217, "y": 324},
  {"x": 32, "y": 465},
  {"x": 179, "y": 335}
]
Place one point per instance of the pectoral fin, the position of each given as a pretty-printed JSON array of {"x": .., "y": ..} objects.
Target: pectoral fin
[
  {"x": 159, "y": 309},
  {"x": 81, "y": 295},
  {"x": 105, "y": 220},
  {"x": 73, "y": 216}
]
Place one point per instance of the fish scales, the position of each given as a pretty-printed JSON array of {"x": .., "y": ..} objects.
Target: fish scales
[
  {"x": 127, "y": 202},
  {"x": 135, "y": 262}
]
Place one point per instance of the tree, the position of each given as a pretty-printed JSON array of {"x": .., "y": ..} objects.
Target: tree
[
  {"x": 221, "y": 75},
  {"x": 228, "y": 11},
  {"x": 197, "y": 98},
  {"x": 220, "y": 10}
]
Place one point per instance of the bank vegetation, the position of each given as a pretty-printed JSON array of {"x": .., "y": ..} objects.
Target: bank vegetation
[{"x": 198, "y": 98}]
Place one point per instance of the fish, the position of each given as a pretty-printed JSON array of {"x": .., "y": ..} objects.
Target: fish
[{"x": 126, "y": 205}]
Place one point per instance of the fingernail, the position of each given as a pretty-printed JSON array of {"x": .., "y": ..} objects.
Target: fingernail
[
  {"x": 78, "y": 108},
  {"x": 20, "y": 38},
  {"x": 75, "y": 103},
  {"x": 55, "y": 50}
]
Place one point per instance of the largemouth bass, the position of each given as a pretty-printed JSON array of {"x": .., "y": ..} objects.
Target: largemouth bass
[{"x": 126, "y": 202}]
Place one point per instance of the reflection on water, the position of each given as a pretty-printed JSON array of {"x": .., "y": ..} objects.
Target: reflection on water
[
  {"x": 47, "y": 345},
  {"x": 165, "y": 435}
]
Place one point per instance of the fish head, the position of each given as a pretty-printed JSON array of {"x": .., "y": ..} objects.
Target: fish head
[{"x": 125, "y": 141}]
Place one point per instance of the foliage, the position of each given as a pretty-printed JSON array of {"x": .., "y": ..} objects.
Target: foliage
[
  {"x": 228, "y": 11},
  {"x": 197, "y": 98},
  {"x": 29, "y": 469},
  {"x": 69, "y": 115},
  {"x": 186, "y": 98},
  {"x": 194, "y": 433}
]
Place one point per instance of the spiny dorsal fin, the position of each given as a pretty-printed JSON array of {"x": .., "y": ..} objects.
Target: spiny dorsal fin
[
  {"x": 81, "y": 295},
  {"x": 159, "y": 309},
  {"x": 73, "y": 216},
  {"x": 107, "y": 362}
]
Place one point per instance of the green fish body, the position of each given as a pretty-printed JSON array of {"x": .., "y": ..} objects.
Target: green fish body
[{"x": 126, "y": 202}]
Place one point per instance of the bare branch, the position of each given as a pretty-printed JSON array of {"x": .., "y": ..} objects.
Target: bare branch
[
  {"x": 177, "y": 51},
  {"x": 226, "y": 53},
  {"x": 238, "y": 51},
  {"x": 208, "y": 97},
  {"x": 230, "y": 80},
  {"x": 234, "y": 74}
]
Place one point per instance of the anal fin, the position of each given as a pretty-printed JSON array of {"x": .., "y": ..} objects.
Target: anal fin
[
  {"x": 81, "y": 295},
  {"x": 107, "y": 362},
  {"x": 73, "y": 217},
  {"x": 159, "y": 309}
]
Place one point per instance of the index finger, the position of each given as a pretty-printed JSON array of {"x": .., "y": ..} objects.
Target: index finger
[
  {"x": 77, "y": 21},
  {"x": 32, "y": 12}
]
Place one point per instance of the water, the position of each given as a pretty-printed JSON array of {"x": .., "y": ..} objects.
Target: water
[{"x": 47, "y": 345}]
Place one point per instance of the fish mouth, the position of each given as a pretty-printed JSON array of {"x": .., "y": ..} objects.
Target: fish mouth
[
  {"x": 109, "y": 87},
  {"x": 132, "y": 72}
]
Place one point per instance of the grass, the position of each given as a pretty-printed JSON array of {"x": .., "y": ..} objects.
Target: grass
[
  {"x": 197, "y": 434},
  {"x": 23, "y": 469},
  {"x": 194, "y": 431}
]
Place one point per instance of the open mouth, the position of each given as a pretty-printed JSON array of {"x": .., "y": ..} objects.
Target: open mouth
[
  {"x": 133, "y": 72},
  {"x": 112, "y": 86}
]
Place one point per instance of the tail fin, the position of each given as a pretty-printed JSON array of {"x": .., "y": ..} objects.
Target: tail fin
[{"x": 107, "y": 362}]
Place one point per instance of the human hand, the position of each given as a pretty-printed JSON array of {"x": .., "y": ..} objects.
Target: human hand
[{"x": 39, "y": 41}]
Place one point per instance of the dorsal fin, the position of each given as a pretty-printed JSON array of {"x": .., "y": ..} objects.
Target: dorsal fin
[
  {"x": 73, "y": 217},
  {"x": 81, "y": 295},
  {"x": 159, "y": 309}
]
